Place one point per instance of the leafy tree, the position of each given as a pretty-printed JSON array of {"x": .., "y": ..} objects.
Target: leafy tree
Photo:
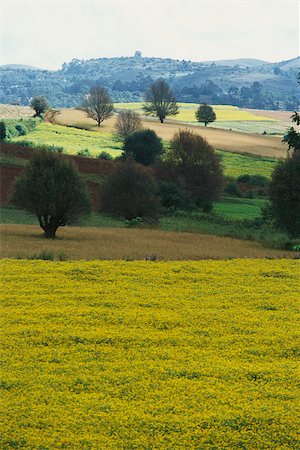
[
  {"x": 51, "y": 188},
  {"x": 171, "y": 195},
  {"x": 205, "y": 114},
  {"x": 97, "y": 104},
  {"x": 160, "y": 100},
  {"x": 39, "y": 104},
  {"x": 127, "y": 122},
  {"x": 144, "y": 146},
  {"x": 285, "y": 194},
  {"x": 292, "y": 138},
  {"x": 196, "y": 168},
  {"x": 131, "y": 191}
]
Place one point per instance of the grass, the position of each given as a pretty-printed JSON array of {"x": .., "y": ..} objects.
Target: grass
[
  {"x": 239, "y": 208},
  {"x": 235, "y": 164},
  {"x": 107, "y": 355},
  {"x": 72, "y": 140}
]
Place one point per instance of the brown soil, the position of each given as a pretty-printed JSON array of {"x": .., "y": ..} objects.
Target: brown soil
[{"x": 121, "y": 243}]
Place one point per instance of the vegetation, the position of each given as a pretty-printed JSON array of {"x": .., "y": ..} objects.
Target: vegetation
[
  {"x": 205, "y": 114},
  {"x": 194, "y": 166},
  {"x": 285, "y": 194},
  {"x": 128, "y": 122},
  {"x": 144, "y": 146},
  {"x": 39, "y": 104},
  {"x": 97, "y": 104},
  {"x": 131, "y": 192},
  {"x": 51, "y": 188},
  {"x": 160, "y": 100},
  {"x": 10, "y": 128},
  {"x": 140, "y": 346},
  {"x": 292, "y": 138}
]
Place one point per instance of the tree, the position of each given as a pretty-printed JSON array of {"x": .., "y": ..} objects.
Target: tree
[
  {"x": 160, "y": 100},
  {"x": 51, "y": 188},
  {"x": 205, "y": 114},
  {"x": 39, "y": 104},
  {"x": 285, "y": 194},
  {"x": 131, "y": 191},
  {"x": 144, "y": 146},
  {"x": 196, "y": 168},
  {"x": 97, "y": 104},
  {"x": 128, "y": 122}
]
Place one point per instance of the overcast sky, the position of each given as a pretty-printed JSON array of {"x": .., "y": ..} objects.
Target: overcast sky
[{"x": 45, "y": 33}]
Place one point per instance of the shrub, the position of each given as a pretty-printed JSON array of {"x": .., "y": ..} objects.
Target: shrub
[
  {"x": 131, "y": 192},
  {"x": 21, "y": 129},
  {"x": 127, "y": 123},
  {"x": 105, "y": 155},
  {"x": 85, "y": 152},
  {"x": 232, "y": 188},
  {"x": 39, "y": 104},
  {"x": 196, "y": 168},
  {"x": 144, "y": 146},
  {"x": 285, "y": 194},
  {"x": 171, "y": 195},
  {"x": 254, "y": 180}
]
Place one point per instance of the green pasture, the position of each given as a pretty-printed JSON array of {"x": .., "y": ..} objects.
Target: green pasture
[{"x": 236, "y": 164}]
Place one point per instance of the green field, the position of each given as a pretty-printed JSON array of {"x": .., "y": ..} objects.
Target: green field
[{"x": 73, "y": 140}]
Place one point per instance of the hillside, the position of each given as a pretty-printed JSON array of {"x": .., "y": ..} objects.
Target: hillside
[{"x": 243, "y": 82}]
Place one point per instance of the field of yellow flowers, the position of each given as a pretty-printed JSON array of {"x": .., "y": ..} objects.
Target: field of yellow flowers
[{"x": 149, "y": 355}]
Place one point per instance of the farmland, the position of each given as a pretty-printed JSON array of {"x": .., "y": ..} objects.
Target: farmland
[
  {"x": 163, "y": 355},
  {"x": 228, "y": 140}
]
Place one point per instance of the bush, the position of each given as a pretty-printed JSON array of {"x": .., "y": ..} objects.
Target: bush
[
  {"x": 232, "y": 188},
  {"x": 127, "y": 123},
  {"x": 21, "y": 129},
  {"x": 144, "y": 146},
  {"x": 254, "y": 180},
  {"x": 131, "y": 192},
  {"x": 285, "y": 194},
  {"x": 171, "y": 195},
  {"x": 195, "y": 167},
  {"x": 85, "y": 152},
  {"x": 105, "y": 155},
  {"x": 39, "y": 104}
]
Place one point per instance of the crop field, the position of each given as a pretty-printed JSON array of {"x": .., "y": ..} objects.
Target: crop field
[
  {"x": 239, "y": 208},
  {"x": 229, "y": 140},
  {"x": 15, "y": 111},
  {"x": 113, "y": 241},
  {"x": 235, "y": 165},
  {"x": 72, "y": 140},
  {"x": 147, "y": 355}
]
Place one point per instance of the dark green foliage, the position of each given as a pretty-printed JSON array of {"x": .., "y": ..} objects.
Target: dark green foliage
[
  {"x": 85, "y": 152},
  {"x": 285, "y": 194},
  {"x": 105, "y": 155},
  {"x": 39, "y": 104},
  {"x": 232, "y": 188},
  {"x": 171, "y": 195},
  {"x": 292, "y": 138},
  {"x": 195, "y": 167},
  {"x": 51, "y": 188},
  {"x": 144, "y": 146},
  {"x": 131, "y": 192},
  {"x": 254, "y": 180},
  {"x": 160, "y": 100},
  {"x": 10, "y": 128},
  {"x": 205, "y": 114}
]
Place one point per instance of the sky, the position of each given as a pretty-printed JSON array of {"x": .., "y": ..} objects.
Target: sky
[{"x": 46, "y": 33}]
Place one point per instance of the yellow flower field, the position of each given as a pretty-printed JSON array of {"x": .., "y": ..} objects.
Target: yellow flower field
[{"x": 150, "y": 355}]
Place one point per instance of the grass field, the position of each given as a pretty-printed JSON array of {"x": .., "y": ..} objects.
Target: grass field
[
  {"x": 258, "y": 144},
  {"x": 193, "y": 238},
  {"x": 140, "y": 355},
  {"x": 73, "y": 140},
  {"x": 15, "y": 111}
]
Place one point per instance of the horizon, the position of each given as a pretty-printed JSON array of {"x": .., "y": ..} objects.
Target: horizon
[{"x": 197, "y": 31}]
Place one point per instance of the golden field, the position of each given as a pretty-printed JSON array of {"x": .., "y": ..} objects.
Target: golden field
[
  {"x": 150, "y": 355},
  {"x": 234, "y": 141},
  {"x": 23, "y": 241}
]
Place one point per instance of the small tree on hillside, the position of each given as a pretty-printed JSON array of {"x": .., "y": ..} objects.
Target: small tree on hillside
[
  {"x": 144, "y": 146},
  {"x": 160, "y": 100},
  {"x": 39, "y": 104},
  {"x": 51, "y": 188},
  {"x": 196, "y": 168},
  {"x": 98, "y": 104},
  {"x": 131, "y": 192},
  {"x": 127, "y": 122},
  {"x": 205, "y": 114}
]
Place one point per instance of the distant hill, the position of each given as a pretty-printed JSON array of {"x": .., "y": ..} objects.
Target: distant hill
[{"x": 243, "y": 82}]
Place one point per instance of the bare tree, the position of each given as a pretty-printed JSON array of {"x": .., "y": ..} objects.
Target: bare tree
[
  {"x": 98, "y": 104},
  {"x": 160, "y": 100},
  {"x": 128, "y": 122}
]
